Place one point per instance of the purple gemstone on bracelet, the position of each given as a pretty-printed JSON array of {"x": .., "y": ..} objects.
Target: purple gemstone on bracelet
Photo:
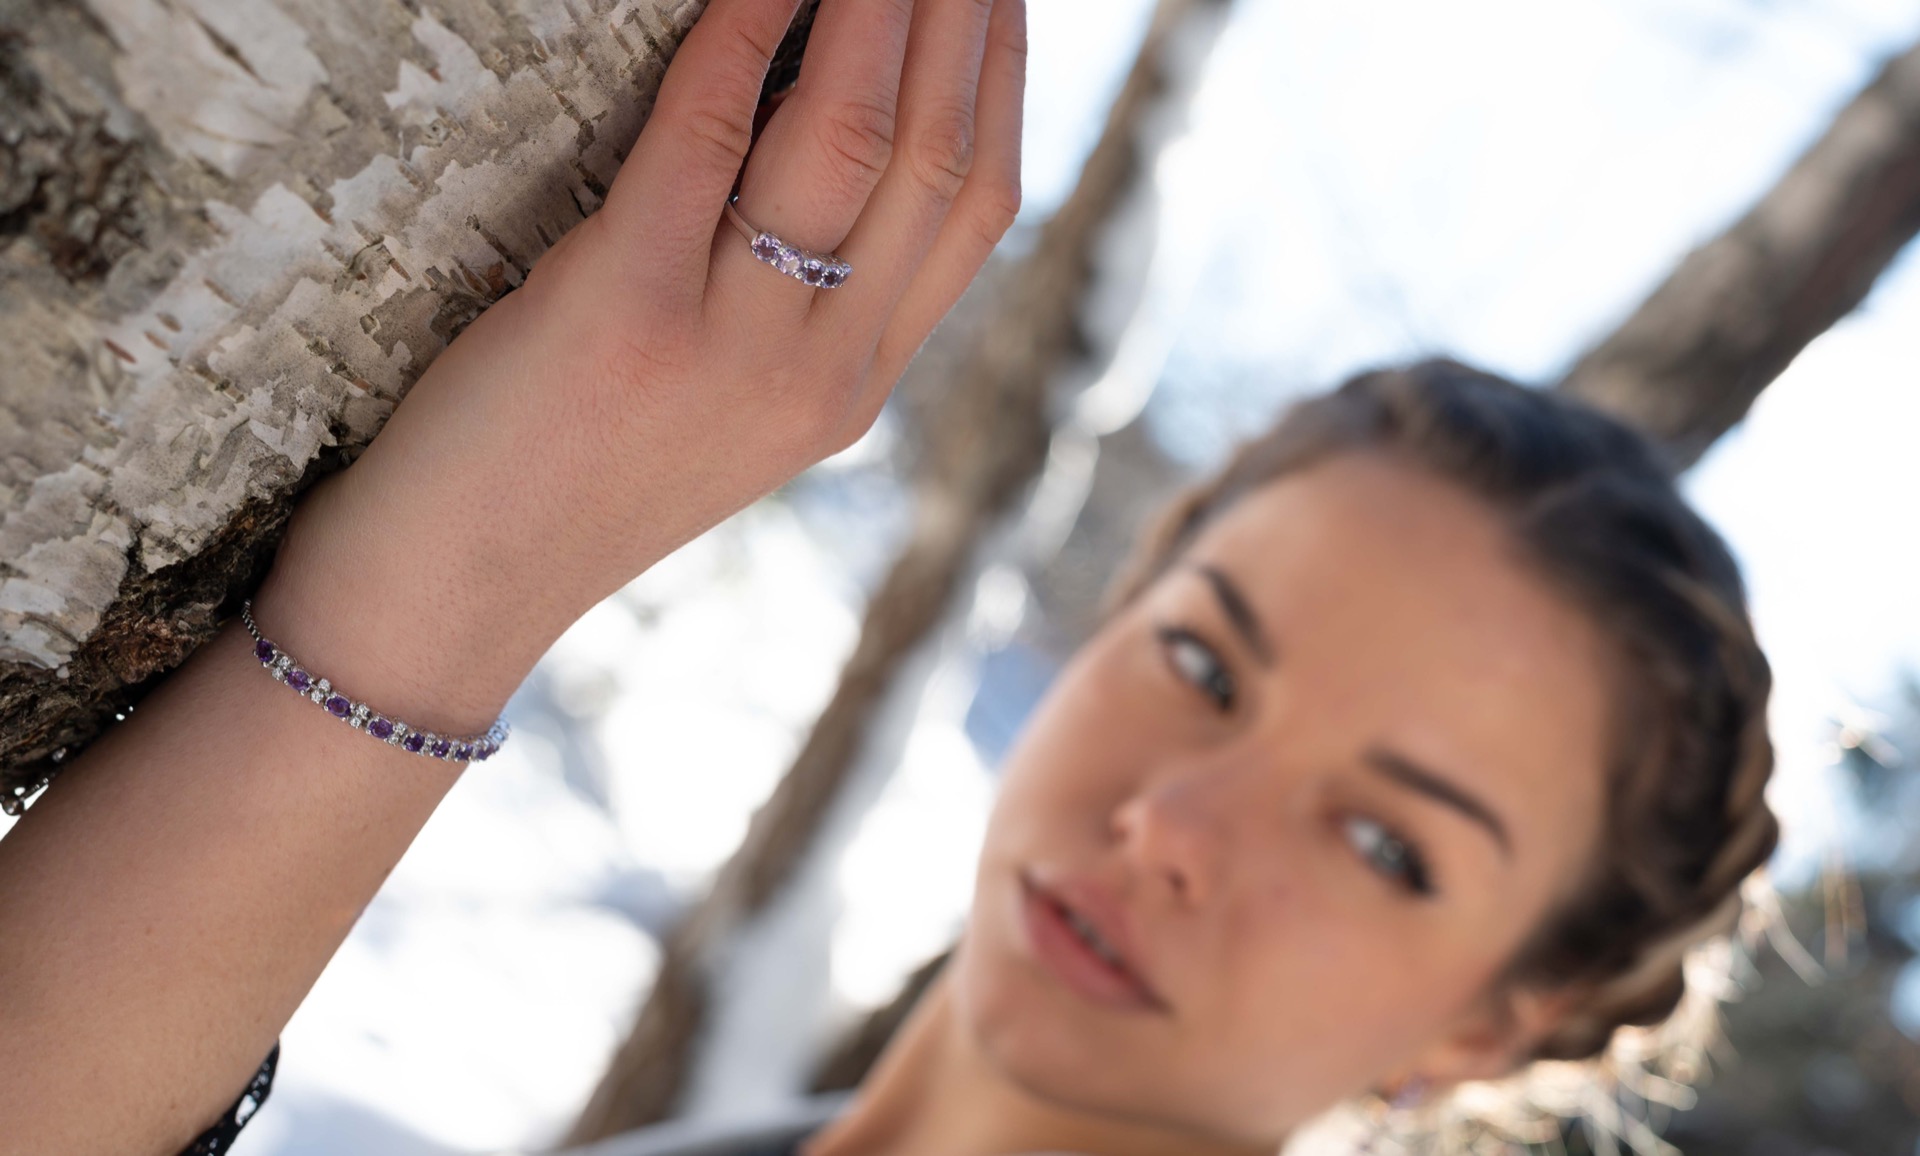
[
  {"x": 414, "y": 741},
  {"x": 338, "y": 706},
  {"x": 440, "y": 749},
  {"x": 463, "y": 752},
  {"x": 298, "y": 679},
  {"x": 263, "y": 650},
  {"x": 380, "y": 728}
]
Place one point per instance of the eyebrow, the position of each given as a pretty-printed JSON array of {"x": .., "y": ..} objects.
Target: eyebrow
[
  {"x": 1239, "y": 612},
  {"x": 1408, "y": 773}
]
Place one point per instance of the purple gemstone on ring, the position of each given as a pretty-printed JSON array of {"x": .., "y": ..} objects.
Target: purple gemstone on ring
[
  {"x": 440, "y": 749},
  {"x": 414, "y": 741},
  {"x": 767, "y": 247},
  {"x": 833, "y": 277},
  {"x": 298, "y": 679},
  {"x": 813, "y": 271},
  {"x": 338, "y": 706},
  {"x": 263, "y": 650},
  {"x": 790, "y": 259},
  {"x": 380, "y": 728}
]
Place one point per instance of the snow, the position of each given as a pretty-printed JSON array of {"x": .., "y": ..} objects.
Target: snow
[{"x": 1495, "y": 178}]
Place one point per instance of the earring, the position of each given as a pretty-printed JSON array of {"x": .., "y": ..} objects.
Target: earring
[
  {"x": 1411, "y": 1091},
  {"x": 1385, "y": 1107}
]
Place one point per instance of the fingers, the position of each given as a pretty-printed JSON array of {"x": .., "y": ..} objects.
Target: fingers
[
  {"x": 672, "y": 186},
  {"x": 934, "y": 154},
  {"x": 981, "y": 214},
  {"x": 821, "y": 155}
]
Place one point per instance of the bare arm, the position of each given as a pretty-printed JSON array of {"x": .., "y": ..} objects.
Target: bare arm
[{"x": 167, "y": 903}]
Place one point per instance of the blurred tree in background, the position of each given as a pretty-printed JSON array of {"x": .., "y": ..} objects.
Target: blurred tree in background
[{"x": 235, "y": 232}]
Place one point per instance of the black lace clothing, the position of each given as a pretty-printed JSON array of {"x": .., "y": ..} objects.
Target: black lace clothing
[
  {"x": 779, "y": 1134},
  {"x": 221, "y": 1136}
]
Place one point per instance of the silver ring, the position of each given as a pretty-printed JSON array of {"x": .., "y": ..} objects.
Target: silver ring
[{"x": 820, "y": 270}]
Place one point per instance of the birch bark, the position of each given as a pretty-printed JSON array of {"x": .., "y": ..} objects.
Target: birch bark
[{"x": 232, "y": 234}]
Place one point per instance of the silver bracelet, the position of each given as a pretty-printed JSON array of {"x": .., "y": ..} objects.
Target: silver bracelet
[{"x": 358, "y": 715}]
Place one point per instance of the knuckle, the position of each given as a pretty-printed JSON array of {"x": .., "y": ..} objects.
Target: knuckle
[
  {"x": 625, "y": 362},
  {"x": 742, "y": 42},
  {"x": 1011, "y": 39},
  {"x": 719, "y": 138},
  {"x": 856, "y": 425},
  {"x": 859, "y": 135},
  {"x": 942, "y": 152},
  {"x": 1000, "y": 206}
]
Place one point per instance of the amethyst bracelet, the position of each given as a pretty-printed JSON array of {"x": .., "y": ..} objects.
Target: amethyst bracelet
[{"x": 360, "y": 716}]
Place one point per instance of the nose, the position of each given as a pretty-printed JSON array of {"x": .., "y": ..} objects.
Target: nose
[{"x": 1174, "y": 830}]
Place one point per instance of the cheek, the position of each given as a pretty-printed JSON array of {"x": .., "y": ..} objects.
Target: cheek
[
  {"x": 1104, "y": 724},
  {"x": 1324, "y": 997}
]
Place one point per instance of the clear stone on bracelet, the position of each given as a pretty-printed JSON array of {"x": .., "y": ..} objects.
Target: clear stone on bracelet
[{"x": 360, "y": 716}]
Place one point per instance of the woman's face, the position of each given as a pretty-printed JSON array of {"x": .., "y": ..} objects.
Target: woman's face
[{"x": 1314, "y": 787}]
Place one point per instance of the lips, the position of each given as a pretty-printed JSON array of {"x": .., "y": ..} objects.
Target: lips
[{"x": 1079, "y": 932}]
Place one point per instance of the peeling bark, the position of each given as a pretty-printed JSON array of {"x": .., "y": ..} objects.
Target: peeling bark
[{"x": 232, "y": 235}]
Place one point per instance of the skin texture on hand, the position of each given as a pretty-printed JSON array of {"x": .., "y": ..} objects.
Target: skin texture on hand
[{"x": 170, "y": 900}]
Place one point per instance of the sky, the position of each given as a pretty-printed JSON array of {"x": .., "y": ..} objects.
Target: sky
[{"x": 1362, "y": 182}]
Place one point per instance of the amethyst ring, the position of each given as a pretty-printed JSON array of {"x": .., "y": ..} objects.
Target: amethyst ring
[
  {"x": 361, "y": 717},
  {"x": 820, "y": 270}
]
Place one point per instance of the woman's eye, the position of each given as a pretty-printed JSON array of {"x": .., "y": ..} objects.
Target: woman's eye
[
  {"x": 1197, "y": 663},
  {"x": 1389, "y": 854}
]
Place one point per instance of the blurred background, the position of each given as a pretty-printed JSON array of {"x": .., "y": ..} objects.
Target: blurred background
[{"x": 1315, "y": 189}]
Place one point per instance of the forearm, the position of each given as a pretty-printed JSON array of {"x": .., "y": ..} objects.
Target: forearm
[{"x": 168, "y": 902}]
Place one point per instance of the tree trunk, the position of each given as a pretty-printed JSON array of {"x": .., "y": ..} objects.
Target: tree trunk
[
  {"x": 234, "y": 233},
  {"x": 1687, "y": 365},
  {"x": 983, "y": 441}
]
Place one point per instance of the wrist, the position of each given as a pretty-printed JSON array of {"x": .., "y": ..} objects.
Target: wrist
[{"x": 399, "y": 616}]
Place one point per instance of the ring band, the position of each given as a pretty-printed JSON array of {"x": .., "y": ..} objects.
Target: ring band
[{"x": 820, "y": 270}]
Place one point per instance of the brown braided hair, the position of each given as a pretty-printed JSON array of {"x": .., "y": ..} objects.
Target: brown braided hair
[{"x": 1594, "y": 507}]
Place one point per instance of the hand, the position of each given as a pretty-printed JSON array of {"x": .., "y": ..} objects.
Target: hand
[{"x": 651, "y": 377}]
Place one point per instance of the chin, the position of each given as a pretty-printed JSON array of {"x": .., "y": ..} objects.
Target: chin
[
  {"x": 1016, "y": 1025},
  {"x": 1040, "y": 1040}
]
